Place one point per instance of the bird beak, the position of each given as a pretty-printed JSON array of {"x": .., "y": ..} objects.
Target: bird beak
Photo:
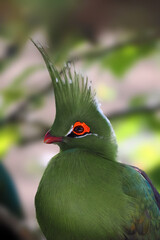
[{"x": 51, "y": 139}]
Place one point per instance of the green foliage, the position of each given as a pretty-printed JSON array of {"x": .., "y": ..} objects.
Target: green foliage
[
  {"x": 9, "y": 135},
  {"x": 25, "y": 74},
  {"x": 121, "y": 60},
  {"x": 138, "y": 139},
  {"x": 11, "y": 95},
  {"x": 154, "y": 174},
  {"x": 16, "y": 90},
  {"x": 148, "y": 151},
  {"x": 153, "y": 121},
  {"x": 127, "y": 127},
  {"x": 104, "y": 92},
  {"x": 138, "y": 100},
  {"x": 147, "y": 156}
]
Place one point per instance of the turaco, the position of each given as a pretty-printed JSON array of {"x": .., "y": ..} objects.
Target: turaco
[{"x": 85, "y": 193}]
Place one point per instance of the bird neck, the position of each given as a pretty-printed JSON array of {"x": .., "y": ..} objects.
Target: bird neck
[{"x": 105, "y": 148}]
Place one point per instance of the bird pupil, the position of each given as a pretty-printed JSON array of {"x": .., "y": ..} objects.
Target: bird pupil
[{"x": 79, "y": 129}]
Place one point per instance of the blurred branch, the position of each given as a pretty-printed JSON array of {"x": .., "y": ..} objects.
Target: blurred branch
[
  {"x": 134, "y": 111},
  {"x": 138, "y": 40},
  {"x": 111, "y": 116},
  {"x": 38, "y": 137},
  {"x": 15, "y": 116},
  {"x": 146, "y": 38}
]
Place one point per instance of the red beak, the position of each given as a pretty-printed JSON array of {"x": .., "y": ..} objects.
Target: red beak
[{"x": 51, "y": 139}]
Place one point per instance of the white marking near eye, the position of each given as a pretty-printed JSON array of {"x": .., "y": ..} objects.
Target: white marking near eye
[
  {"x": 87, "y": 134},
  {"x": 81, "y": 136},
  {"x": 69, "y": 131}
]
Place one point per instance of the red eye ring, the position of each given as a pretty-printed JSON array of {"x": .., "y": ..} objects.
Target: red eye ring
[{"x": 85, "y": 128}]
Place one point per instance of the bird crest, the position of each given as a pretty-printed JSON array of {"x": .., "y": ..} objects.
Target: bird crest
[
  {"x": 79, "y": 121},
  {"x": 72, "y": 90}
]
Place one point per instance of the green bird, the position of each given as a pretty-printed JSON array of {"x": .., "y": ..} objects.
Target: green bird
[{"x": 85, "y": 193}]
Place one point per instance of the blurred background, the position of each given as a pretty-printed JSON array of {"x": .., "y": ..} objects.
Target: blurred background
[{"x": 116, "y": 44}]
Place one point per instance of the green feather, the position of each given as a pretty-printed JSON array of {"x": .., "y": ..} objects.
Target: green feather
[
  {"x": 85, "y": 194},
  {"x": 71, "y": 89},
  {"x": 77, "y": 201}
]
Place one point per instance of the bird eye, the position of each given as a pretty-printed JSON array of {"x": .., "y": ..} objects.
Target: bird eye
[{"x": 80, "y": 128}]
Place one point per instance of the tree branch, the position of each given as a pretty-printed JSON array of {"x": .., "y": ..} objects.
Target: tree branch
[
  {"x": 15, "y": 116},
  {"x": 133, "y": 111},
  {"x": 146, "y": 38},
  {"x": 112, "y": 116},
  {"x": 140, "y": 40}
]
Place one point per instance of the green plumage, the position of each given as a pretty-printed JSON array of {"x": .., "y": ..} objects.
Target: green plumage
[{"x": 85, "y": 194}]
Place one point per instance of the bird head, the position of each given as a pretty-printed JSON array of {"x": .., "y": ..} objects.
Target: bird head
[{"x": 79, "y": 121}]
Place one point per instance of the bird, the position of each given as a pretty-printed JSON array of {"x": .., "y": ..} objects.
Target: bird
[{"x": 85, "y": 193}]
